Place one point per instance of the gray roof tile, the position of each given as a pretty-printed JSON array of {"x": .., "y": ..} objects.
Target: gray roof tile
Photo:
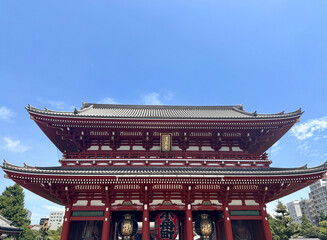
[
  {"x": 164, "y": 112},
  {"x": 148, "y": 170}
]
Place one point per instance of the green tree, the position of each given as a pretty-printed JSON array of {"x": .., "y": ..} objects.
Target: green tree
[
  {"x": 307, "y": 229},
  {"x": 282, "y": 226},
  {"x": 54, "y": 234},
  {"x": 12, "y": 208},
  {"x": 44, "y": 232},
  {"x": 322, "y": 216},
  {"x": 272, "y": 223},
  {"x": 323, "y": 230},
  {"x": 31, "y": 234}
]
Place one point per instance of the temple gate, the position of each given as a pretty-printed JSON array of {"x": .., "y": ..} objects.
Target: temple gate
[{"x": 163, "y": 172}]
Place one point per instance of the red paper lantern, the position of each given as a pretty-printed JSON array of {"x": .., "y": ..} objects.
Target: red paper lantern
[{"x": 166, "y": 226}]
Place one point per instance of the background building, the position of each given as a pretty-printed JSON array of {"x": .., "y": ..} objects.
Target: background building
[
  {"x": 42, "y": 220},
  {"x": 29, "y": 215},
  {"x": 318, "y": 199},
  {"x": 308, "y": 209},
  {"x": 56, "y": 220},
  {"x": 311, "y": 207},
  {"x": 294, "y": 209}
]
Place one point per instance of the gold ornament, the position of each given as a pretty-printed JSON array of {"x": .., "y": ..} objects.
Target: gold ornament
[{"x": 205, "y": 227}]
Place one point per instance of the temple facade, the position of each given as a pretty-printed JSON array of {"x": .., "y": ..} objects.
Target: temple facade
[{"x": 163, "y": 172}]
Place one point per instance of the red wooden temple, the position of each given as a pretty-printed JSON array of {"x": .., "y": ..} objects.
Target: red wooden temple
[{"x": 138, "y": 161}]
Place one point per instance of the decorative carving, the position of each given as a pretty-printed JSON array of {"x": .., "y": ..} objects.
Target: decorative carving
[
  {"x": 127, "y": 203},
  {"x": 167, "y": 202},
  {"x": 206, "y": 203}
]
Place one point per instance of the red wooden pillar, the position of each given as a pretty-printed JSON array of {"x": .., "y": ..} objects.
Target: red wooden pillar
[
  {"x": 65, "y": 227},
  {"x": 106, "y": 223},
  {"x": 189, "y": 222},
  {"x": 265, "y": 223},
  {"x": 227, "y": 224},
  {"x": 145, "y": 223}
]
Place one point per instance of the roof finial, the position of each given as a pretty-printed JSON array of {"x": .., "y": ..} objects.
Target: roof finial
[
  {"x": 75, "y": 111},
  {"x": 255, "y": 113}
]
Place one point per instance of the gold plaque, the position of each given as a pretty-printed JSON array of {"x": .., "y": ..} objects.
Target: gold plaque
[{"x": 165, "y": 142}]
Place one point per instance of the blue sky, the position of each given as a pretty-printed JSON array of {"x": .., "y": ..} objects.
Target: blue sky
[{"x": 268, "y": 55}]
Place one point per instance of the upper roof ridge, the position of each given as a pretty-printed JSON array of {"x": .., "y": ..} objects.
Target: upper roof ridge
[
  {"x": 163, "y": 112},
  {"x": 140, "y": 106}
]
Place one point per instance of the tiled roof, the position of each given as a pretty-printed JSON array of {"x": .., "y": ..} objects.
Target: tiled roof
[
  {"x": 167, "y": 171},
  {"x": 5, "y": 226},
  {"x": 163, "y": 112},
  {"x": 4, "y": 222}
]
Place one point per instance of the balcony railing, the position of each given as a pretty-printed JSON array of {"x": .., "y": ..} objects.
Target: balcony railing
[
  {"x": 164, "y": 159},
  {"x": 158, "y": 155}
]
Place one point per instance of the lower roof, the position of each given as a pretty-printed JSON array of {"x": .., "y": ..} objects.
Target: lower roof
[
  {"x": 280, "y": 181},
  {"x": 7, "y": 228},
  {"x": 166, "y": 171}
]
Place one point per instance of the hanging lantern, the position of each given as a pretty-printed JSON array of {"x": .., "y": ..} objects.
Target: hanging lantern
[
  {"x": 204, "y": 226},
  {"x": 166, "y": 224},
  {"x": 127, "y": 227}
]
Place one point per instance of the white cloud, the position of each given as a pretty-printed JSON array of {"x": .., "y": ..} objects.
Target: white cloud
[
  {"x": 307, "y": 149},
  {"x": 6, "y": 114},
  {"x": 107, "y": 100},
  {"x": 56, "y": 105},
  {"x": 309, "y": 128},
  {"x": 14, "y": 145},
  {"x": 152, "y": 99},
  {"x": 275, "y": 149},
  {"x": 304, "y": 148},
  {"x": 168, "y": 96},
  {"x": 59, "y": 104}
]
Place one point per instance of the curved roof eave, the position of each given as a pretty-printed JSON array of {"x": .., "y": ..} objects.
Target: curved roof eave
[
  {"x": 162, "y": 112},
  {"x": 169, "y": 171}
]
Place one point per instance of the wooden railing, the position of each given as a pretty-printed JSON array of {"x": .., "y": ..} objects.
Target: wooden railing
[
  {"x": 163, "y": 159},
  {"x": 158, "y": 155}
]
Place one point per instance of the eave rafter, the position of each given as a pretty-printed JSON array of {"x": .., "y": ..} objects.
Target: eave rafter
[
  {"x": 244, "y": 140},
  {"x": 251, "y": 132},
  {"x": 70, "y": 188}
]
